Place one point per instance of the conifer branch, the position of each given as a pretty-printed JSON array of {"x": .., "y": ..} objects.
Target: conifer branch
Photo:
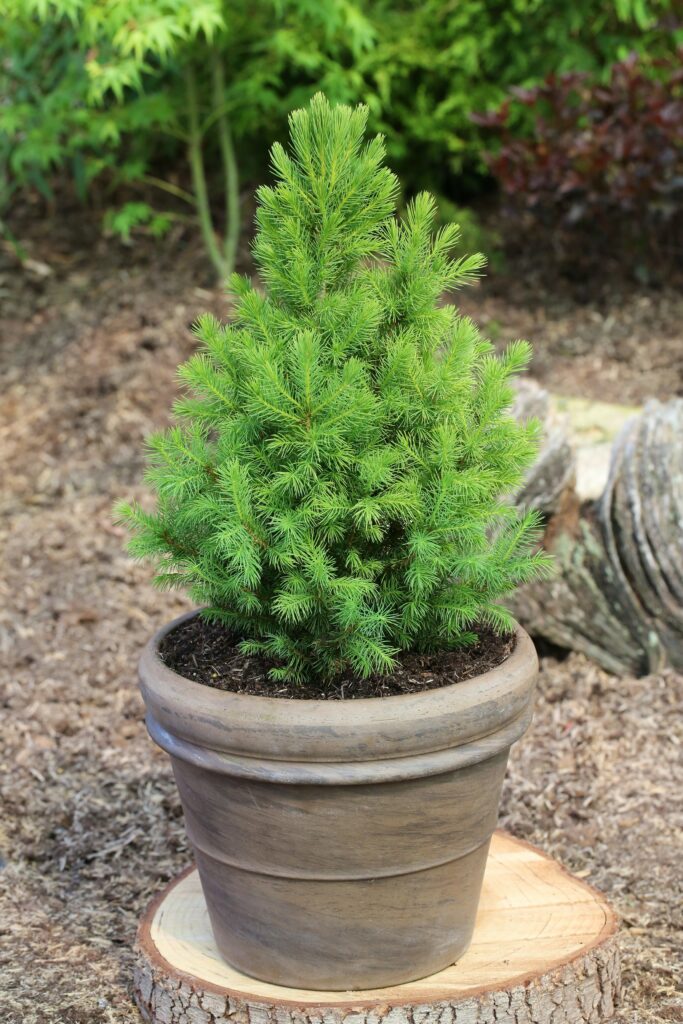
[{"x": 335, "y": 490}]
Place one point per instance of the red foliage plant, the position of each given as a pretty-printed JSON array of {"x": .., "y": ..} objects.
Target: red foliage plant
[{"x": 601, "y": 153}]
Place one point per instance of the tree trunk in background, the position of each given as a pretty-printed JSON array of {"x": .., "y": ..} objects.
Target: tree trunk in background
[{"x": 610, "y": 482}]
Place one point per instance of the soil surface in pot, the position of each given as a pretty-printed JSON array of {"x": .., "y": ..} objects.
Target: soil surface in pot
[{"x": 206, "y": 653}]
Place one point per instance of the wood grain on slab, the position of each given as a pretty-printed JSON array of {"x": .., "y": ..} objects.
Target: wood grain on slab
[{"x": 543, "y": 952}]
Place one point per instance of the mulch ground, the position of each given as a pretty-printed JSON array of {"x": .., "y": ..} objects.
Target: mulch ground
[{"x": 91, "y": 824}]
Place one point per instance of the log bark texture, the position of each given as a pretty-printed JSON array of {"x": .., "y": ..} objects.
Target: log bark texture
[
  {"x": 610, "y": 482},
  {"x": 544, "y": 952}
]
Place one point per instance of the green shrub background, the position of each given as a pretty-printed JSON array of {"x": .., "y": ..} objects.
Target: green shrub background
[{"x": 117, "y": 92}]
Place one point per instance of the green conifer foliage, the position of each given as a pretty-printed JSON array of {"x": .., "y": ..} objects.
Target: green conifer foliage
[{"x": 334, "y": 489}]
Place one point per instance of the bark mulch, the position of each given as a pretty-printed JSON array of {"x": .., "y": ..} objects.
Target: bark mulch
[{"x": 90, "y": 825}]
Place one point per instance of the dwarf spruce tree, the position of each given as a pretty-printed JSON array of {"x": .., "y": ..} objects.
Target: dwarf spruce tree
[{"x": 335, "y": 488}]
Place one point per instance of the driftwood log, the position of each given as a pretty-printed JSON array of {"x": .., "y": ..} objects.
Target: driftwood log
[
  {"x": 609, "y": 481},
  {"x": 543, "y": 952}
]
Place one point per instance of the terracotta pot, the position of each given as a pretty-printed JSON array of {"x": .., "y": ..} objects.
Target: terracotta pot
[{"x": 341, "y": 844}]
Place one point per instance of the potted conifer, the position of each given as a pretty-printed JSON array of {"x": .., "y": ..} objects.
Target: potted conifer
[{"x": 340, "y": 711}]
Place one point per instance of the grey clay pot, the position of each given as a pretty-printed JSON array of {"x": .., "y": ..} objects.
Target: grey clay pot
[{"x": 341, "y": 844}]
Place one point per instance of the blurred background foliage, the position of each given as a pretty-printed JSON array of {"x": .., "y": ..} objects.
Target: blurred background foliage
[{"x": 164, "y": 109}]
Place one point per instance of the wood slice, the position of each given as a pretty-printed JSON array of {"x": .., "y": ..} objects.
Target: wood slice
[{"x": 544, "y": 952}]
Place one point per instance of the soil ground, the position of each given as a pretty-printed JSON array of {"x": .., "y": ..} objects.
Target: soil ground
[{"x": 91, "y": 825}]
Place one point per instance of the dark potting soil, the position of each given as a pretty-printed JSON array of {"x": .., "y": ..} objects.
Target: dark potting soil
[{"x": 206, "y": 653}]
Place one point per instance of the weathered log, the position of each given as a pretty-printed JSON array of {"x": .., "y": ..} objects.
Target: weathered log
[
  {"x": 543, "y": 952},
  {"x": 553, "y": 475},
  {"x": 614, "y": 518}
]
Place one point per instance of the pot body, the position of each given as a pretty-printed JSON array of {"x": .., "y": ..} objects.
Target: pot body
[{"x": 341, "y": 844}]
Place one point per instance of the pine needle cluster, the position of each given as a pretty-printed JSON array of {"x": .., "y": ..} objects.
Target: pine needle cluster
[{"x": 334, "y": 488}]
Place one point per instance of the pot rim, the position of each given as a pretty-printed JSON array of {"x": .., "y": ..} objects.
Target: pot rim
[
  {"x": 519, "y": 655},
  {"x": 186, "y": 717}
]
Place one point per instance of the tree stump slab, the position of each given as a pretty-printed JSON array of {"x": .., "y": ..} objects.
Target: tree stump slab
[{"x": 544, "y": 952}]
